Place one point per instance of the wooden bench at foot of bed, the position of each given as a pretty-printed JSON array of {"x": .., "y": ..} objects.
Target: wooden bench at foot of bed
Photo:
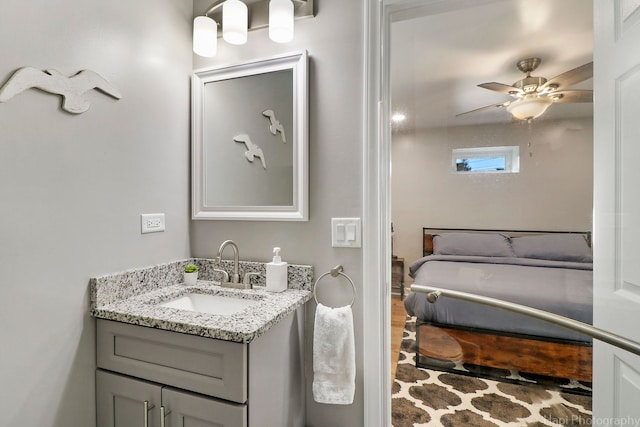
[{"x": 555, "y": 359}]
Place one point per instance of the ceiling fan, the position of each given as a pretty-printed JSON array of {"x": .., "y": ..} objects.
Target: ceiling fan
[{"x": 533, "y": 95}]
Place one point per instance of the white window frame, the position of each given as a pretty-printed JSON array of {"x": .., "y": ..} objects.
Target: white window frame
[{"x": 510, "y": 153}]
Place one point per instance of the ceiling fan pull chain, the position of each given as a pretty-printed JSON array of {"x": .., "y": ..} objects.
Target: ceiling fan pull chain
[{"x": 530, "y": 132}]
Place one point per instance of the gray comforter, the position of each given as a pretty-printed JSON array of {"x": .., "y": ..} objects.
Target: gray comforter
[{"x": 563, "y": 288}]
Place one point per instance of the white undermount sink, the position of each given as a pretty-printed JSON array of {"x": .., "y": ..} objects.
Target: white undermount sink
[{"x": 207, "y": 303}]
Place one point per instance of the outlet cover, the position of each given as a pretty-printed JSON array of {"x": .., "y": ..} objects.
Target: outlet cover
[{"x": 152, "y": 223}]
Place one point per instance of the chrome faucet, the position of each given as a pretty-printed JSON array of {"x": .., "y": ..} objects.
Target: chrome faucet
[{"x": 235, "y": 277}]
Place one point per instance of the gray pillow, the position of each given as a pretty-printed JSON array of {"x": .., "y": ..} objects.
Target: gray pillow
[
  {"x": 555, "y": 247},
  {"x": 476, "y": 244}
]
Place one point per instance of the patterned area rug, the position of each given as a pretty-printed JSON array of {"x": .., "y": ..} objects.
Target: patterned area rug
[{"x": 428, "y": 397}]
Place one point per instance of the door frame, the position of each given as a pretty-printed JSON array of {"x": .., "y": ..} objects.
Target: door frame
[{"x": 379, "y": 14}]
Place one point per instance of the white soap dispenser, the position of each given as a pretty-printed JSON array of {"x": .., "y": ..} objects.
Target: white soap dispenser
[{"x": 276, "y": 273}]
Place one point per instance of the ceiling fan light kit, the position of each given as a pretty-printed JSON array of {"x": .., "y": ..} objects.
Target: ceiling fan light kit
[
  {"x": 533, "y": 95},
  {"x": 529, "y": 107}
]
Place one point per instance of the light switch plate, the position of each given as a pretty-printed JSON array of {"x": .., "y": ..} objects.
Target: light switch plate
[{"x": 346, "y": 233}]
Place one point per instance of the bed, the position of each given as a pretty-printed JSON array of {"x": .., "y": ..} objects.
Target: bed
[{"x": 551, "y": 271}]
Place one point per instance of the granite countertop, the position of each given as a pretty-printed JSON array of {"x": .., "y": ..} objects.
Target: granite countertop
[
  {"x": 242, "y": 327},
  {"x": 134, "y": 296}
]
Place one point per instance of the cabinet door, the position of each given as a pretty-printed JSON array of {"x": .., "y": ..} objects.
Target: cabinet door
[
  {"x": 184, "y": 409},
  {"x": 126, "y": 402}
]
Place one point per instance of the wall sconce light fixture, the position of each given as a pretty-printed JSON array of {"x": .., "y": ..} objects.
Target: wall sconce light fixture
[
  {"x": 281, "y": 21},
  {"x": 235, "y": 22},
  {"x": 237, "y": 17},
  {"x": 205, "y": 36}
]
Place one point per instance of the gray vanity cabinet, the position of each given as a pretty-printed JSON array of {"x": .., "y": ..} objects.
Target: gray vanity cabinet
[{"x": 199, "y": 381}]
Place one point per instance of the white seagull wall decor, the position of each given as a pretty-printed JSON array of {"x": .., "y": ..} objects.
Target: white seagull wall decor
[
  {"x": 70, "y": 88},
  {"x": 253, "y": 150},
  {"x": 275, "y": 125}
]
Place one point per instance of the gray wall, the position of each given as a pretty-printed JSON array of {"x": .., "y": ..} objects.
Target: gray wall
[
  {"x": 553, "y": 190},
  {"x": 334, "y": 40},
  {"x": 72, "y": 187}
]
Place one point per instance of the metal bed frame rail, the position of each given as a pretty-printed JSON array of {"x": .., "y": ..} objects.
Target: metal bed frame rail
[{"x": 610, "y": 338}]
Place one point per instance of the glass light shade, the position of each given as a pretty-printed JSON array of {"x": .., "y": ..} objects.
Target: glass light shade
[
  {"x": 281, "y": 21},
  {"x": 529, "y": 107},
  {"x": 235, "y": 20},
  {"x": 205, "y": 36}
]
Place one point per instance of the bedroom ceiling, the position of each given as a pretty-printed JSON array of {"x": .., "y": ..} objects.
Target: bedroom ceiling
[{"x": 437, "y": 61}]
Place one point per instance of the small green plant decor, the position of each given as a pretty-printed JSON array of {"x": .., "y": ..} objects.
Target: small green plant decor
[{"x": 190, "y": 274}]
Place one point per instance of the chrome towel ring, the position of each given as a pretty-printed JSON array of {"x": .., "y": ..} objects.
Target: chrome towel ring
[{"x": 335, "y": 272}]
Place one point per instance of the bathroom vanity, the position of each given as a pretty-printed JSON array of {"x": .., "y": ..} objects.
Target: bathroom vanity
[{"x": 159, "y": 366}]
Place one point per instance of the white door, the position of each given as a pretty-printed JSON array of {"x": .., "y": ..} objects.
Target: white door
[{"x": 617, "y": 208}]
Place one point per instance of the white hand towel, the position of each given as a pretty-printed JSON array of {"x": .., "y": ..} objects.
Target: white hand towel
[{"x": 334, "y": 356}]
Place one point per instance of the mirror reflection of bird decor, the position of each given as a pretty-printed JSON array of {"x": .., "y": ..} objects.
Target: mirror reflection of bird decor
[
  {"x": 253, "y": 150},
  {"x": 70, "y": 88},
  {"x": 275, "y": 125}
]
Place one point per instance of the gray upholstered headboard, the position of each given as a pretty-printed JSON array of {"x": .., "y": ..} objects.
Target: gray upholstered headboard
[{"x": 427, "y": 235}]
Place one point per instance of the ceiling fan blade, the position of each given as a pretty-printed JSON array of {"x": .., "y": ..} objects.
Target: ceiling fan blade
[
  {"x": 500, "y": 87},
  {"x": 574, "y": 96},
  {"x": 488, "y": 107},
  {"x": 571, "y": 77}
]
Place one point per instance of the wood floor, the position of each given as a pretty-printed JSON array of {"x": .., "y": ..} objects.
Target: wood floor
[{"x": 398, "y": 318}]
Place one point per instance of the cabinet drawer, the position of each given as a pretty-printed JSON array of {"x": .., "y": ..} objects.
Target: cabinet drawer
[{"x": 204, "y": 365}]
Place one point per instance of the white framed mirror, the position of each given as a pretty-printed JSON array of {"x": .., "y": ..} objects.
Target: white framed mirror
[{"x": 249, "y": 153}]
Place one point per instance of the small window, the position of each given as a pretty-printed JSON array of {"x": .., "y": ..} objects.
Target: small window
[{"x": 486, "y": 160}]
